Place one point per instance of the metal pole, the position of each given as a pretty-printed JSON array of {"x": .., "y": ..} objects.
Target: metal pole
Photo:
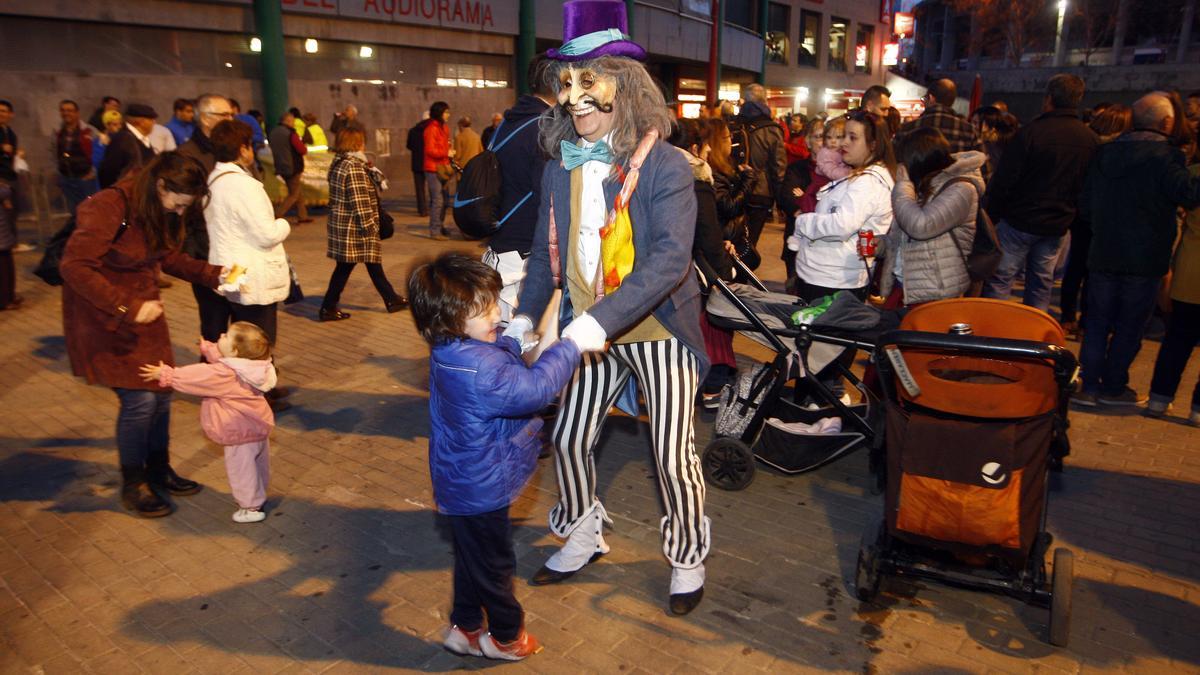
[
  {"x": 714, "y": 58},
  {"x": 526, "y": 42},
  {"x": 763, "y": 7},
  {"x": 268, "y": 21},
  {"x": 1119, "y": 32},
  {"x": 1060, "y": 40},
  {"x": 1185, "y": 33}
]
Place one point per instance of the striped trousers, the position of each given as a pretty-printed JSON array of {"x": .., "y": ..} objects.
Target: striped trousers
[{"x": 669, "y": 376}]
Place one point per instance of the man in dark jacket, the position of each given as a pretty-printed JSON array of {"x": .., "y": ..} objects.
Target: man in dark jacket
[
  {"x": 521, "y": 164},
  {"x": 210, "y": 110},
  {"x": 73, "y": 148},
  {"x": 1035, "y": 191},
  {"x": 288, "y": 153},
  {"x": 129, "y": 148},
  {"x": 416, "y": 149},
  {"x": 1133, "y": 189},
  {"x": 764, "y": 152}
]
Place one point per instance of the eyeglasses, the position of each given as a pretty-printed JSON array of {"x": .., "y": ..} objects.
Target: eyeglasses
[{"x": 227, "y": 115}]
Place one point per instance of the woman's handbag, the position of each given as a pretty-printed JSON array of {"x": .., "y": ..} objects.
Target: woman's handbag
[
  {"x": 445, "y": 172},
  {"x": 387, "y": 224},
  {"x": 739, "y": 235}
]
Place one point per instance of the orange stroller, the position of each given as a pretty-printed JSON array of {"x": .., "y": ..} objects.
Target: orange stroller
[{"x": 976, "y": 415}]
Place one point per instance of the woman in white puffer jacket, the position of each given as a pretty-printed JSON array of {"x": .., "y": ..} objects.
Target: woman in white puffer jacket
[
  {"x": 243, "y": 230},
  {"x": 825, "y": 241}
]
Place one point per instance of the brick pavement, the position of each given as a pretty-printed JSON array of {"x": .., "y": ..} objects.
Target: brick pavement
[{"x": 351, "y": 571}]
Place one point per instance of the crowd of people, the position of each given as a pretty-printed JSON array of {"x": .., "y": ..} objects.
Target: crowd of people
[{"x": 608, "y": 201}]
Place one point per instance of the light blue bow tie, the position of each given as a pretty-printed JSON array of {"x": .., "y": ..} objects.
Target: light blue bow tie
[{"x": 574, "y": 155}]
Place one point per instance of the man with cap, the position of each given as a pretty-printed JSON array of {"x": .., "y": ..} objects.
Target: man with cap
[
  {"x": 624, "y": 265},
  {"x": 129, "y": 148}
]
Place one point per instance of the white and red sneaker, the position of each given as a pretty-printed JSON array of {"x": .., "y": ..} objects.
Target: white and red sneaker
[
  {"x": 463, "y": 642},
  {"x": 525, "y": 645}
]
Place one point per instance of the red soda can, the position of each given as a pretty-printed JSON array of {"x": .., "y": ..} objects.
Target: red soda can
[{"x": 866, "y": 243}]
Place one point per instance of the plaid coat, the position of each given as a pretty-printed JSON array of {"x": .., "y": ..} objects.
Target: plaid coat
[
  {"x": 961, "y": 134},
  {"x": 353, "y": 212}
]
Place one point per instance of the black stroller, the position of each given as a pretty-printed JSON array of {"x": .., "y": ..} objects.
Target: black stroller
[{"x": 761, "y": 416}]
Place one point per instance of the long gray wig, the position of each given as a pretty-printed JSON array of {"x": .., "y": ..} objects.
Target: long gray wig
[{"x": 639, "y": 106}]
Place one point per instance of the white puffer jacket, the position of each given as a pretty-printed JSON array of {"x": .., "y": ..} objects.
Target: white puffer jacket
[
  {"x": 931, "y": 240},
  {"x": 826, "y": 241},
  {"x": 243, "y": 230}
]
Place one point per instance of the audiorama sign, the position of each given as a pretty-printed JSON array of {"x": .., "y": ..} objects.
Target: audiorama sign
[{"x": 488, "y": 16}]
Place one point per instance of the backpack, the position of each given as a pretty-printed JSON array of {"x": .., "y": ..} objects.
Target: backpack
[
  {"x": 477, "y": 199},
  {"x": 48, "y": 267},
  {"x": 985, "y": 254}
]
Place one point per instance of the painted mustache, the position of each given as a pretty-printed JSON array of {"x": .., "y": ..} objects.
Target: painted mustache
[{"x": 585, "y": 103}]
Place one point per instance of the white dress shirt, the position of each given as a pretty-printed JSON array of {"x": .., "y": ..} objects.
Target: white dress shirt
[{"x": 593, "y": 211}]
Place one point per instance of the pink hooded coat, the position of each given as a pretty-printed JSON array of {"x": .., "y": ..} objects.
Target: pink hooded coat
[{"x": 234, "y": 410}]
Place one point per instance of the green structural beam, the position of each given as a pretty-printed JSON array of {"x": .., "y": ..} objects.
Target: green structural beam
[
  {"x": 629, "y": 14},
  {"x": 268, "y": 22},
  {"x": 526, "y": 45}
]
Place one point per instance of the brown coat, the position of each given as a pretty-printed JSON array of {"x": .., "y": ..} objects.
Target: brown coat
[
  {"x": 104, "y": 285},
  {"x": 353, "y": 223}
]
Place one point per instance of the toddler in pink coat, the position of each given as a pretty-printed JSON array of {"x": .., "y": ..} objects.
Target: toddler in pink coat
[{"x": 234, "y": 411}]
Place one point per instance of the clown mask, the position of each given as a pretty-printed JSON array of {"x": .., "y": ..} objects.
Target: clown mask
[{"x": 587, "y": 96}]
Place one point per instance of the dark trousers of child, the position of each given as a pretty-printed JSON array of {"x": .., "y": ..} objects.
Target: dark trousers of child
[{"x": 484, "y": 564}]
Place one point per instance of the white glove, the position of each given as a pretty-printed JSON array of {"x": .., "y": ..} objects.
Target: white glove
[
  {"x": 793, "y": 242},
  {"x": 586, "y": 333},
  {"x": 520, "y": 328}
]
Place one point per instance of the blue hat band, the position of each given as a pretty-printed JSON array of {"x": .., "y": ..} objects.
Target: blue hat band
[{"x": 586, "y": 43}]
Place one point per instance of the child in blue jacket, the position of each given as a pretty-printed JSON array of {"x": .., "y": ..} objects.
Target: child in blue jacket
[{"x": 483, "y": 442}]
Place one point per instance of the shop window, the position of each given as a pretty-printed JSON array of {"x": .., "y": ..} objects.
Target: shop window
[
  {"x": 471, "y": 76},
  {"x": 810, "y": 29},
  {"x": 778, "y": 18},
  {"x": 838, "y": 29},
  {"x": 864, "y": 49}
]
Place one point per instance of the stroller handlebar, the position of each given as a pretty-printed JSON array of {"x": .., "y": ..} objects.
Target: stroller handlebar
[{"x": 1064, "y": 361}]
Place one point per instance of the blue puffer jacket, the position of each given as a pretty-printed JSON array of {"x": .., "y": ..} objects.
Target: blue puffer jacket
[{"x": 483, "y": 439}]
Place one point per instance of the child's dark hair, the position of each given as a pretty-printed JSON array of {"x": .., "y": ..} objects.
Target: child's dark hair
[
  {"x": 444, "y": 293},
  {"x": 249, "y": 340}
]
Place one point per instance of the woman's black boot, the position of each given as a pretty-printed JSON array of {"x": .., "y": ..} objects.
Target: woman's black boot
[{"x": 137, "y": 496}]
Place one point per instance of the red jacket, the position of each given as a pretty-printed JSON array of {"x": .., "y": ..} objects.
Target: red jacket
[
  {"x": 104, "y": 285},
  {"x": 796, "y": 148},
  {"x": 437, "y": 145}
]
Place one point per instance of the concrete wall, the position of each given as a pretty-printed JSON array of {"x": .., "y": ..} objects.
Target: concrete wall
[{"x": 1023, "y": 88}]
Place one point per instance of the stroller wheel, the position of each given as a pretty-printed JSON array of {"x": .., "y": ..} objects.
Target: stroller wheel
[
  {"x": 868, "y": 571},
  {"x": 1060, "y": 597},
  {"x": 728, "y": 464}
]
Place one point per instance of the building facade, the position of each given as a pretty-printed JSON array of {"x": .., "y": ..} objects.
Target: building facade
[
  {"x": 821, "y": 55},
  {"x": 390, "y": 58}
]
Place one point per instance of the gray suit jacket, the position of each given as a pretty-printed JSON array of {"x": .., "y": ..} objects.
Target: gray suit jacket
[{"x": 663, "y": 213}]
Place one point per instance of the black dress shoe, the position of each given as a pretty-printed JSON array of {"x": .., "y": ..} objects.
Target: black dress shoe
[
  {"x": 332, "y": 315},
  {"x": 139, "y": 498},
  {"x": 683, "y": 603},
  {"x": 396, "y": 305},
  {"x": 546, "y": 576},
  {"x": 167, "y": 480}
]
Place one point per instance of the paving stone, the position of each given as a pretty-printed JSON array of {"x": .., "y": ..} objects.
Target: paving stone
[{"x": 351, "y": 572}]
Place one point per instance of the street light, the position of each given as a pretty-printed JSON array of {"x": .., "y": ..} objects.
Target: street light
[
  {"x": 365, "y": 52},
  {"x": 255, "y": 45},
  {"x": 310, "y": 45}
]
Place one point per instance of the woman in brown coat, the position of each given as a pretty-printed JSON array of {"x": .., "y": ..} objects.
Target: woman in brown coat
[
  {"x": 113, "y": 316},
  {"x": 354, "y": 226}
]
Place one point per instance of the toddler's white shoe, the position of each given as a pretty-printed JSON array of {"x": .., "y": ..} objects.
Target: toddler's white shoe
[{"x": 249, "y": 516}]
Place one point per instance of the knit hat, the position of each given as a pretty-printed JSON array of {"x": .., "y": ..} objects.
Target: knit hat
[{"x": 110, "y": 116}]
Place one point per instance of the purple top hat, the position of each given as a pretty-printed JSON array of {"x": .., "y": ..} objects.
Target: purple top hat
[{"x": 593, "y": 28}]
